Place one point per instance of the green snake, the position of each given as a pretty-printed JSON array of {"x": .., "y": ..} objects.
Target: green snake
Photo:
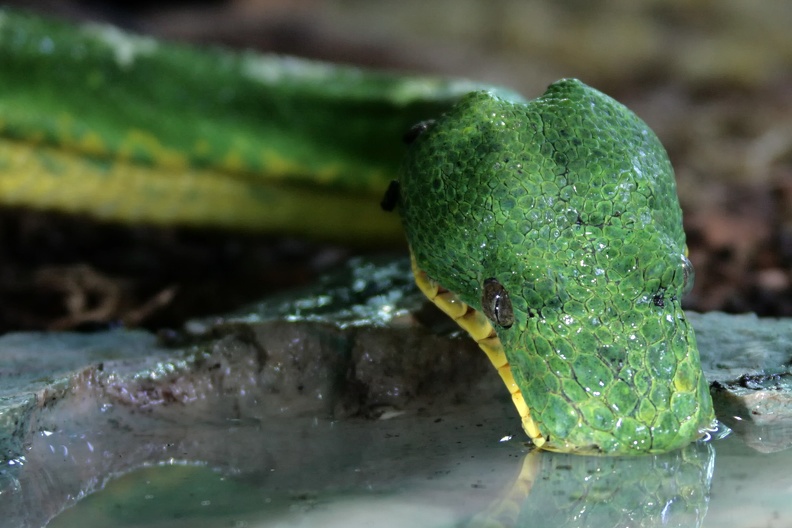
[{"x": 549, "y": 229}]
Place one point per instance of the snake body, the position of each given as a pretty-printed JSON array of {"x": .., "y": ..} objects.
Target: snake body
[
  {"x": 126, "y": 128},
  {"x": 551, "y": 230}
]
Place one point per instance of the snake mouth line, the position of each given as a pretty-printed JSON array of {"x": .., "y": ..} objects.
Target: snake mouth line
[
  {"x": 478, "y": 326},
  {"x": 483, "y": 333}
]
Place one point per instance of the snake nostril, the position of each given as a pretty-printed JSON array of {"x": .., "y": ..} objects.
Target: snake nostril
[
  {"x": 496, "y": 304},
  {"x": 659, "y": 298}
]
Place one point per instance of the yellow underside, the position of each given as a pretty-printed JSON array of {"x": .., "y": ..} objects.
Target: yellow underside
[
  {"x": 49, "y": 178},
  {"x": 478, "y": 326}
]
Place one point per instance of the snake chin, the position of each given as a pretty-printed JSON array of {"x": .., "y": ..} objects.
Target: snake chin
[{"x": 586, "y": 450}]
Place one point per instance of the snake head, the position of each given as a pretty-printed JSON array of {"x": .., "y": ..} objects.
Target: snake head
[{"x": 558, "y": 219}]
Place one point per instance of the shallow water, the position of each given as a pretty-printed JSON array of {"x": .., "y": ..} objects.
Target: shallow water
[
  {"x": 147, "y": 441},
  {"x": 459, "y": 469}
]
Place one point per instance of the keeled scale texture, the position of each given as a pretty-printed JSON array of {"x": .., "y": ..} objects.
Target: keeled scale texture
[{"x": 569, "y": 201}]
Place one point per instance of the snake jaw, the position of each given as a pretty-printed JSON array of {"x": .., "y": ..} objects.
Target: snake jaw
[
  {"x": 483, "y": 333},
  {"x": 478, "y": 326}
]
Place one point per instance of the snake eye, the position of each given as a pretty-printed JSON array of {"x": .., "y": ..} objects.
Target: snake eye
[
  {"x": 690, "y": 275},
  {"x": 391, "y": 197},
  {"x": 416, "y": 130},
  {"x": 495, "y": 303}
]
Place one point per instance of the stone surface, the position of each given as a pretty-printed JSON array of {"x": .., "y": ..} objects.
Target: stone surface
[
  {"x": 78, "y": 409},
  {"x": 747, "y": 360}
]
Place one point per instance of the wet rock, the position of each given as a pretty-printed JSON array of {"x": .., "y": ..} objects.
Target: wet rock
[
  {"x": 747, "y": 361},
  {"x": 77, "y": 409},
  {"x": 352, "y": 347}
]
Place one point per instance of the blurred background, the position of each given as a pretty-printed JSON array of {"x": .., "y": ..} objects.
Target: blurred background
[{"x": 712, "y": 78}]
